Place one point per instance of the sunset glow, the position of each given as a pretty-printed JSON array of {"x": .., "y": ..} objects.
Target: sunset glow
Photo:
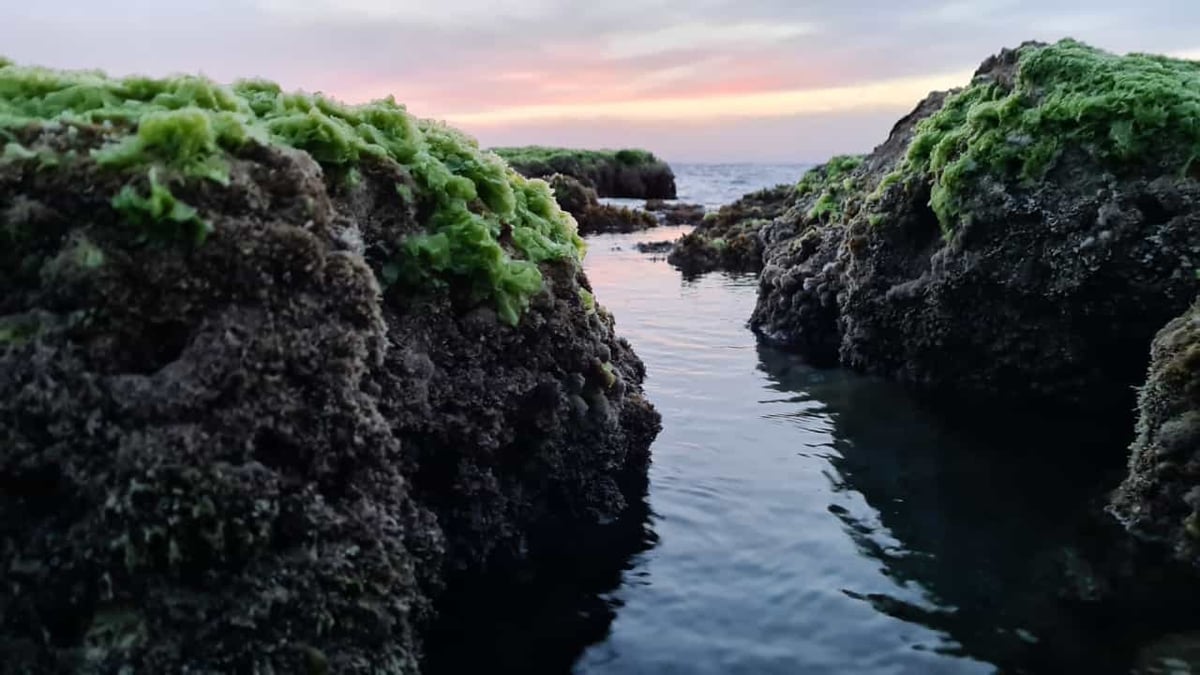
[
  {"x": 711, "y": 80},
  {"x": 887, "y": 94}
]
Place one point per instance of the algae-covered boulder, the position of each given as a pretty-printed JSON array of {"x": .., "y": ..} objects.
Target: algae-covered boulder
[
  {"x": 1022, "y": 238},
  {"x": 592, "y": 216},
  {"x": 1160, "y": 498},
  {"x": 635, "y": 174},
  {"x": 271, "y": 367},
  {"x": 572, "y": 196},
  {"x": 729, "y": 239}
]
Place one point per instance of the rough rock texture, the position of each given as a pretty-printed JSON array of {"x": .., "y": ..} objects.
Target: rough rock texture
[
  {"x": 729, "y": 239},
  {"x": 1021, "y": 289},
  {"x": 592, "y": 216},
  {"x": 245, "y": 454},
  {"x": 634, "y": 174},
  {"x": 1160, "y": 499},
  {"x": 803, "y": 278},
  {"x": 673, "y": 213}
]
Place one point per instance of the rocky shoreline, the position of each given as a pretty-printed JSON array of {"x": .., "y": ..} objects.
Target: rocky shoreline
[
  {"x": 283, "y": 380},
  {"x": 270, "y": 378}
]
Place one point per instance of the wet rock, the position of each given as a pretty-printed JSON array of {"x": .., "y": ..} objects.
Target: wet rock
[
  {"x": 1034, "y": 270},
  {"x": 1176, "y": 654},
  {"x": 1157, "y": 505},
  {"x": 235, "y": 434},
  {"x": 729, "y": 239},
  {"x": 592, "y": 216},
  {"x": 673, "y": 213}
]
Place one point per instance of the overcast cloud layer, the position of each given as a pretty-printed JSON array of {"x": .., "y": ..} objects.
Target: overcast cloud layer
[{"x": 712, "y": 80}]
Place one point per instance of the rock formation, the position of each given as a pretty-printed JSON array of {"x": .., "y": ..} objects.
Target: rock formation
[
  {"x": 635, "y": 174},
  {"x": 729, "y": 239},
  {"x": 272, "y": 369},
  {"x": 1021, "y": 239},
  {"x": 1160, "y": 499},
  {"x": 592, "y": 216}
]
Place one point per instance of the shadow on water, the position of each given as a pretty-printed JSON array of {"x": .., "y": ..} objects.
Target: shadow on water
[
  {"x": 993, "y": 519},
  {"x": 542, "y": 622}
]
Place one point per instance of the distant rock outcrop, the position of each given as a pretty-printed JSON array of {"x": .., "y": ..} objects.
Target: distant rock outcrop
[
  {"x": 592, "y": 216},
  {"x": 635, "y": 174},
  {"x": 729, "y": 239},
  {"x": 673, "y": 213}
]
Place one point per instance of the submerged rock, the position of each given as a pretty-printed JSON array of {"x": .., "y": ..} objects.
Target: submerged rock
[
  {"x": 592, "y": 216},
  {"x": 635, "y": 174},
  {"x": 729, "y": 239},
  {"x": 273, "y": 369},
  {"x": 1020, "y": 239}
]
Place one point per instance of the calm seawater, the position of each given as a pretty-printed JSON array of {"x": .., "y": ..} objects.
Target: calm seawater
[{"x": 813, "y": 521}]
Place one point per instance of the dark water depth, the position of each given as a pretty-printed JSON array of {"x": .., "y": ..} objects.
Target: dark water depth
[{"x": 809, "y": 521}]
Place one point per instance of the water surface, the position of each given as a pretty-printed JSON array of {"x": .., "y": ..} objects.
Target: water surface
[{"x": 814, "y": 521}]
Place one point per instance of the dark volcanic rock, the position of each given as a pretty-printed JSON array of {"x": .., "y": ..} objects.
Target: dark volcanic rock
[
  {"x": 592, "y": 216},
  {"x": 1160, "y": 499},
  {"x": 729, "y": 239},
  {"x": 244, "y": 455},
  {"x": 671, "y": 213},
  {"x": 604, "y": 218},
  {"x": 976, "y": 280},
  {"x": 803, "y": 280}
]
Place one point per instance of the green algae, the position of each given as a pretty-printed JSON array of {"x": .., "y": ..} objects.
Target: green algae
[
  {"x": 188, "y": 140},
  {"x": 831, "y": 184},
  {"x": 164, "y": 132},
  {"x": 588, "y": 300},
  {"x": 160, "y": 215},
  {"x": 609, "y": 374},
  {"x": 1123, "y": 111},
  {"x": 14, "y": 152}
]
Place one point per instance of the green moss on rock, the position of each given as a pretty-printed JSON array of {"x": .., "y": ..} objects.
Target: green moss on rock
[
  {"x": 160, "y": 215},
  {"x": 1124, "y": 111},
  {"x": 487, "y": 227},
  {"x": 829, "y": 185}
]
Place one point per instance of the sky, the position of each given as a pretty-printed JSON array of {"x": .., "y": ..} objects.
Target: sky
[{"x": 691, "y": 80}]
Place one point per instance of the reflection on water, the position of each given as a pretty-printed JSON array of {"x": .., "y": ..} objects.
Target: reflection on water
[
  {"x": 542, "y": 623},
  {"x": 985, "y": 513},
  {"x": 809, "y": 521}
]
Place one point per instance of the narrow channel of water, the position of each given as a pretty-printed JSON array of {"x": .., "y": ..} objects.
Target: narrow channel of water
[{"x": 817, "y": 521}]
